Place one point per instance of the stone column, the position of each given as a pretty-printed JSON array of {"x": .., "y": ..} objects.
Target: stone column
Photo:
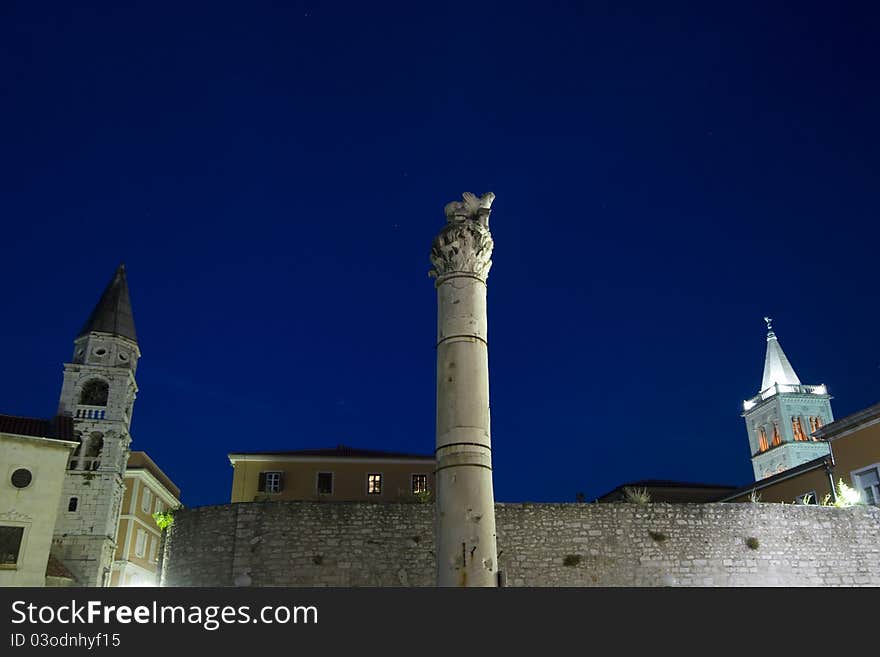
[{"x": 465, "y": 502}]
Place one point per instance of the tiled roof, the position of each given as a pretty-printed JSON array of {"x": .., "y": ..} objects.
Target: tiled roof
[
  {"x": 341, "y": 451},
  {"x": 666, "y": 483},
  {"x": 59, "y": 427}
]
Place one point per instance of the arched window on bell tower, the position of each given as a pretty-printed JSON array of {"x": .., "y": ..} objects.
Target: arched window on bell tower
[
  {"x": 95, "y": 393},
  {"x": 762, "y": 440},
  {"x": 797, "y": 428},
  {"x": 815, "y": 423},
  {"x": 776, "y": 439}
]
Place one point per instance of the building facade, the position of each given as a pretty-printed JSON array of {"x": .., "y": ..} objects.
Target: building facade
[
  {"x": 34, "y": 459},
  {"x": 853, "y": 456},
  {"x": 148, "y": 491},
  {"x": 782, "y": 418},
  {"x": 61, "y": 501},
  {"x": 342, "y": 474}
]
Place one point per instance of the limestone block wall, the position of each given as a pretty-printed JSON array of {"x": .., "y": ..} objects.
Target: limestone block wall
[{"x": 361, "y": 544}]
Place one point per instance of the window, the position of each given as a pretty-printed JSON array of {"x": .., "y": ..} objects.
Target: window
[
  {"x": 146, "y": 500},
  {"x": 806, "y": 498},
  {"x": 95, "y": 393},
  {"x": 815, "y": 424},
  {"x": 140, "y": 547},
  {"x": 72, "y": 504},
  {"x": 159, "y": 508},
  {"x": 776, "y": 439},
  {"x": 271, "y": 482},
  {"x": 154, "y": 548},
  {"x": 762, "y": 440},
  {"x": 325, "y": 483},
  {"x": 10, "y": 544},
  {"x": 867, "y": 482},
  {"x": 798, "y": 429},
  {"x": 21, "y": 478},
  {"x": 419, "y": 483},
  {"x": 374, "y": 484}
]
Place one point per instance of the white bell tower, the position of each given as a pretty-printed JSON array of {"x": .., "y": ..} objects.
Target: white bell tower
[
  {"x": 781, "y": 418},
  {"x": 98, "y": 392}
]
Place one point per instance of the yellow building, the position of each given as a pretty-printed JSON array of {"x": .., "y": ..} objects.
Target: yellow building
[
  {"x": 854, "y": 458},
  {"x": 148, "y": 490},
  {"x": 340, "y": 474}
]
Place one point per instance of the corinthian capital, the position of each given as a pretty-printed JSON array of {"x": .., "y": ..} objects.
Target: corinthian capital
[{"x": 465, "y": 243}]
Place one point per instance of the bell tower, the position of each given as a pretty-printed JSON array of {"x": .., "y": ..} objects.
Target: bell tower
[
  {"x": 98, "y": 392},
  {"x": 782, "y": 417}
]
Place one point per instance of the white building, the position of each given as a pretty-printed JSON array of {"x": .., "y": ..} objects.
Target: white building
[{"x": 33, "y": 458}]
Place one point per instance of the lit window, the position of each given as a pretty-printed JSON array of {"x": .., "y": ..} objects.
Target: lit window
[
  {"x": 140, "y": 547},
  {"x": 815, "y": 424},
  {"x": 270, "y": 482},
  {"x": 776, "y": 439},
  {"x": 867, "y": 482},
  {"x": 10, "y": 544},
  {"x": 146, "y": 500},
  {"x": 762, "y": 440},
  {"x": 419, "y": 483},
  {"x": 325, "y": 483},
  {"x": 374, "y": 484},
  {"x": 797, "y": 429}
]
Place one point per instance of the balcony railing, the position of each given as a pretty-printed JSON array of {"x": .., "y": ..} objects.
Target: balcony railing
[
  {"x": 84, "y": 463},
  {"x": 84, "y": 412},
  {"x": 778, "y": 388}
]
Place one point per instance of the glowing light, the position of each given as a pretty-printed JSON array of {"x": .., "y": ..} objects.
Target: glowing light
[
  {"x": 847, "y": 496},
  {"x": 820, "y": 390}
]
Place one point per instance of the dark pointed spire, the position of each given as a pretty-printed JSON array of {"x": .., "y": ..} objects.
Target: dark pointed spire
[{"x": 113, "y": 312}]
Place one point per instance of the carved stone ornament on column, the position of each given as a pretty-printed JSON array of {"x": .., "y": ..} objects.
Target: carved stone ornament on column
[{"x": 465, "y": 243}]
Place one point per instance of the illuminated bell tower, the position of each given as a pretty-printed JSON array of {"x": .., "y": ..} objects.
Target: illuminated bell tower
[
  {"x": 782, "y": 416},
  {"x": 98, "y": 392}
]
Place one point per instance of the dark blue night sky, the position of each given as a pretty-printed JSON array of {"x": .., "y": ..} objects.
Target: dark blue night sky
[{"x": 272, "y": 175}]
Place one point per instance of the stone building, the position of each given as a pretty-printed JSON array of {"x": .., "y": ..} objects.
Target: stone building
[
  {"x": 341, "y": 474},
  {"x": 98, "y": 391}
]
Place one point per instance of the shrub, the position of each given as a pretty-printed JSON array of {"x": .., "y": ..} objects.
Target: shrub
[
  {"x": 752, "y": 542},
  {"x": 658, "y": 536},
  {"x": 637, "y": 495},
  {"x": 571, "y": 560}
]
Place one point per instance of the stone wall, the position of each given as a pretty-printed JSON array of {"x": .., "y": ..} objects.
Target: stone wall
[{"x": 359, "y": 544}]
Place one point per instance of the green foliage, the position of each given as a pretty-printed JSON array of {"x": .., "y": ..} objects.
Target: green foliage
[
  {"x": 571, "y": 560},
  {"x": 637, "y": 495},
  {"x": 846, "y": 497},
  {"x": 752, "y": 542},
  {"x": 658, "y": 536},
  {"x": 423, "y": 497},
  {"x": 164, "y": 519}
]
